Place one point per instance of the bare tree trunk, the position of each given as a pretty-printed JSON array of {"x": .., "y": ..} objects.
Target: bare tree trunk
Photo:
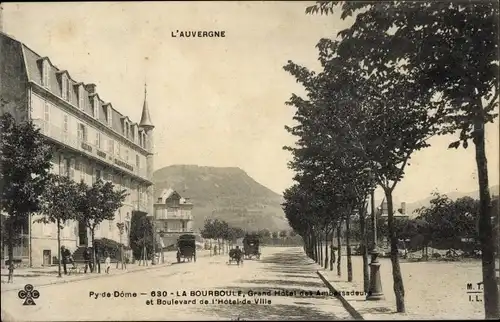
[
  {"x": 94, "y": 257},
  {"x": 491, "y": 308},
  {"x": 348, "y": 247},
  {"x": 10, "y": 249},
  {"x": 326, "y": 249},
  {"x": 316, "y": 254},
  {"x": 58, "y": 248},
  {"x": 399, "y": 290},
  {"x": 332, "y": 252},
  {"x": 320, "y": 244},
  {"x": 364, "y": 249},
  {"x": 339, "y": 245}
]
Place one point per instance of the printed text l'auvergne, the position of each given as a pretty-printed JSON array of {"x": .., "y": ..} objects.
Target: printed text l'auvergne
[{"x": 199, "y": 34}]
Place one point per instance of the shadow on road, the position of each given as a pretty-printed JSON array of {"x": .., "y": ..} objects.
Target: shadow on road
[
  {"x": 272, "y": 312},
  {"x": 311, "y": 276}
]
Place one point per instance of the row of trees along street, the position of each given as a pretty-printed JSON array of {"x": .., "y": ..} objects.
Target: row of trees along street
[
  {"x": 28, "y": 187},
  {"x": 402, "y": 73},
  {"x": 223, "y": 233}
]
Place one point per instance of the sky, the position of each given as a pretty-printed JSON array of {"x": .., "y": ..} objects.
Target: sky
[{"x": 215, "y": 101}]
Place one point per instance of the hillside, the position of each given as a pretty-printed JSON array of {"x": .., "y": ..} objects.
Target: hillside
[
  {"x": 410, "y": 207},
  {"x": 225, "y": 193}
]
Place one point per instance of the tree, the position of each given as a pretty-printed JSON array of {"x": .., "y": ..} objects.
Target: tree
[
  {"x": 98, "y": 203},
  {"x": 462, "y": 75},
  {"x": 24, "y": 169},
  {"x": 59, "y": 204},
  {"x": 275, "y": 235},
  {"x": 141, "y": 235},
  {"x": 121, "y": 229}
]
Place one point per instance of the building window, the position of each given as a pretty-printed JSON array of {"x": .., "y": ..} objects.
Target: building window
[
  {"x": 70, "y": 91},
  {"x": 71, "y": 169},
  {"x": 111, "y": 146},
  {"x": 126, "y": 154},
  {"x": 98, "y": 140},
  {"x": 83, "y": 171},
  {"x": 118, "y": 151},
  {"x": 82, "y": 133},
  {"x": 64, "y": 86},
  {"x": 81, "y": 101},
  {"x": 110, "y": 115},
  {"x": 65, "y": 126},
  {"x": 46, "y": 117},
  {"x": 97, "y": 174},
  {"x": 96, "y": 107},
  {"x": 137, "y": 161},
  {"x": 46, "y": 73},
  {"x": 65, "y": 167}
]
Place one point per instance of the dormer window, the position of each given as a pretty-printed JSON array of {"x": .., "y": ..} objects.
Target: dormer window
[
  {"x": 45, "y": 73},
  {"x": 70, "y": 90},
  {"x": 81, "y": 96},
  {"x": 64, "y": 86},
  {"x": 109, "y": 117},
  {"x": 96, "y": 107}
]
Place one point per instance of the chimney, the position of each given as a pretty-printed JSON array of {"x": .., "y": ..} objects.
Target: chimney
[
  {"x": 90, "y": 88},
  {"x": 403, "y": 208}
]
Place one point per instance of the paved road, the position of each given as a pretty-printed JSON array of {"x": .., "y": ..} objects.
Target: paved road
[{"x": 280, "y": 269}]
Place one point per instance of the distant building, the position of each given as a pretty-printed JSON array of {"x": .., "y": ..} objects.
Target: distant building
[
  {"x": 400, "y": 213},
  {"x": 173, "y": 216}
]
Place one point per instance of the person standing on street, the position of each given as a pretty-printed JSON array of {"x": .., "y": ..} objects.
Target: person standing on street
[
  {"x": 107, "y": 263},
  {"x": 64, "y": 258},
  {"x": 86, "y": 258},
  {"x": 97, "y": 259}
]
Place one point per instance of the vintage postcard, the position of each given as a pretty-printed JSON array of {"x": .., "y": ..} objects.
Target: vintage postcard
[{"x": 249, "y": 160}]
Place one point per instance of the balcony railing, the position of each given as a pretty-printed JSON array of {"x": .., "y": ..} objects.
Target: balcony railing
[
  {"x": 86, "y": 147},
  {"x": 179, "y": 230},
  {"x": 164, "y": 215}
]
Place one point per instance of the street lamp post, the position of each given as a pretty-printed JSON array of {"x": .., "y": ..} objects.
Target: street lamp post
[
  {"x": 153, "y": 232},
  {"x": 375, "y": 290}
]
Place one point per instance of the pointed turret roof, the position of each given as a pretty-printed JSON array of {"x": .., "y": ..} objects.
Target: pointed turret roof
[{"x": 145, "y": 118}]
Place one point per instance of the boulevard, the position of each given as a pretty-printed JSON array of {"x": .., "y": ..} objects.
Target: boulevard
[{"x": 285, "y": 270}]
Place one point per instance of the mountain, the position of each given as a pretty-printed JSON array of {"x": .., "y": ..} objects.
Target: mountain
[
  {"x": 410, "y": 207},
  {"x": 227, "y": 193}
]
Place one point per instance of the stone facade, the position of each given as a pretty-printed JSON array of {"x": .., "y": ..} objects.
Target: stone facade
[{"x": 91, "y": 140}]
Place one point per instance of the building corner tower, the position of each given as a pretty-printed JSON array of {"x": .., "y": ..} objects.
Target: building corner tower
[{"x": 148, "y": 127}]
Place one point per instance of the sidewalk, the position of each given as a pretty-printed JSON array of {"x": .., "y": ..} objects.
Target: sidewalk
[
  {"x": 48, "y": 275},
  {"x": 432, "y": 290}
]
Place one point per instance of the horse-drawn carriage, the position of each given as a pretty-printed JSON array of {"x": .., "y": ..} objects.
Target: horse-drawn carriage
[
  {"x": 235, "y": 256},
  {"x": 251, "y": 246},
  {"x": 186, "y": 248}
]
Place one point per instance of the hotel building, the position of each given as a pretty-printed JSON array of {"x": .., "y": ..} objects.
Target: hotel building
[{"x": 90, "y": 140}]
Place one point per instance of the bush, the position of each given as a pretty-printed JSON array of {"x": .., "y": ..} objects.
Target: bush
[{"x": 110, "y": 247}]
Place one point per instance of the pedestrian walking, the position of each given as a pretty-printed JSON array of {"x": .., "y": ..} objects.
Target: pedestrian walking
[
  {"x": 97, "y": 265},
  {"x": 11, "y": 272},
  {"x": 66, "y": 258},
  {"x": 86, "y": 258},
  {"x": 107, "y": 263}
]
